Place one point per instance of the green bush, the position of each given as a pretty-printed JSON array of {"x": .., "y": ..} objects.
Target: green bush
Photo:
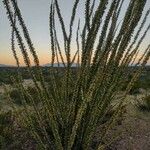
[
  {"x": 135, "y": 89},
  {"x": 16, "y": 96},
  {"x": 144, "y": 104},
  {"x": 14, "y": 134},
  {"x": 142, "y": 83},
  {"x": 6, "y": 129}
]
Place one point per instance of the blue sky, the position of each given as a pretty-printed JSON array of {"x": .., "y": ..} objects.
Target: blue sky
[{"x": 36, "y": 14}]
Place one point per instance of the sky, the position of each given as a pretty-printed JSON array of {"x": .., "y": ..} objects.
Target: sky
[{"x": 36, "y": 14}]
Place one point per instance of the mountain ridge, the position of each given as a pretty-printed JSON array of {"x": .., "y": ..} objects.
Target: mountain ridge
[
  {"x": 60, "y": 65},
  {"x": 4, "y": 65}
]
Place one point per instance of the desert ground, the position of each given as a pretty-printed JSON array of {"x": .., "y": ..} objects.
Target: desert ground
[{"x": 133, "y": 133}]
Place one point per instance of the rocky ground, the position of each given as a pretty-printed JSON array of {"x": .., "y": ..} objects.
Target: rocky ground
[
  {"x": 135, "y": 135},
  {"x": 134, "y": 131}
]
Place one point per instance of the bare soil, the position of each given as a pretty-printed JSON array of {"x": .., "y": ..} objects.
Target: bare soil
[
  {"x": 133, "y": 133},
  {"x": 136, "y": 135}
]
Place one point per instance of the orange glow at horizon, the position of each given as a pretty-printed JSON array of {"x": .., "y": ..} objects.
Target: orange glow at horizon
[
  {"x": 43, "y": 55},
  {"x": 8, "y": 59},
  {"x": 44, "y": 59}
]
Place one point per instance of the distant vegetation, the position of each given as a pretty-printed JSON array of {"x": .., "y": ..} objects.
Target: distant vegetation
[{"x": 7, "y": 72}]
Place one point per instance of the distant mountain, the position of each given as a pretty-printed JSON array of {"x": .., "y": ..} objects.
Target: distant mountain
[
  {"x": 3, "y": 65},
  {"x": 60, "y": 65}
]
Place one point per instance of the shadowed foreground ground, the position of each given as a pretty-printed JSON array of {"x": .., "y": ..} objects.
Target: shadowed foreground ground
[{"x": 134, "y": 132}]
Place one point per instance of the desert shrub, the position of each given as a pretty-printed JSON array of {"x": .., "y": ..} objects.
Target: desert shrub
[
  {"x": 111, "y": 112},
  {"x": 5, "y": 79},
  {"x": 13, "y": 133},
  {"x": 140, "y": 84},
  {"x": 16, "y": 96},
  {"x": 6, "y": 128},
  {"x": 33, "y": 93},
  {"x": 144, "y": 103},
  {"x": 74, "y": 103},
  {"x": 135, "y": 89},
  {"x": 145, "y": 82}
]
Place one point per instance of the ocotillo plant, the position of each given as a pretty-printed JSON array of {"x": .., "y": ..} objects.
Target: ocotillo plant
[{"x": 72, "y": 105}]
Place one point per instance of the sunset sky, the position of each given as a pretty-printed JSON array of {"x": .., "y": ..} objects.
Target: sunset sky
[{"x": 36, "y": 14}]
